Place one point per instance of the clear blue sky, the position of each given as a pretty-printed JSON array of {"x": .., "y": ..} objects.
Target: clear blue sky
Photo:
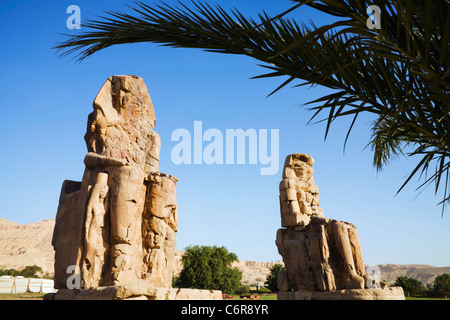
[{"x": 45, "y": 102}]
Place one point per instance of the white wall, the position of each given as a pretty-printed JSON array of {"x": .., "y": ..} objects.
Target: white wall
[{"x": 10, "y": 284}]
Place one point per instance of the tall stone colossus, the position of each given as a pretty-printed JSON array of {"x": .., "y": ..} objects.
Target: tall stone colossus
[
  {"x": 117, "y": 227},
  {"x": 322, "y": 256}
]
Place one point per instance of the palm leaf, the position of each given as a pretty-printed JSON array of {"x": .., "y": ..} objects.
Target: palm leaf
[{"x": 399, "y": 73}]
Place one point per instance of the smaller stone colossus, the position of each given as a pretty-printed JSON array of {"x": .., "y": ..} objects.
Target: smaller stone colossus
[{"x": 319, "y": 253}]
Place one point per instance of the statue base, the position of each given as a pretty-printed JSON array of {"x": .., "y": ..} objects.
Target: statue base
[
  {"x": 387, "y": 293},
  {"x": 134, "y": 293}
]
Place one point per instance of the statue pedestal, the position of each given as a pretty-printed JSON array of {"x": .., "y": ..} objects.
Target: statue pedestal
[
  {"x": 134, "y": 293},
  {"x": 387, "y": 293}
]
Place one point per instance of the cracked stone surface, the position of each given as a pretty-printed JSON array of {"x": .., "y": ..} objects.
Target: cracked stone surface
[
  {"x": 118, "y": 225},
  {"x": 321, "y": 255}
]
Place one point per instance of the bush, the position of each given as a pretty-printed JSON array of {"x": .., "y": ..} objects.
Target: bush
[
  {"x": 27, "y": 272},
  {"x": 243, "y": 289},
  {"x": 31, "y": 271},
  {"x": 9, "y": 272}
]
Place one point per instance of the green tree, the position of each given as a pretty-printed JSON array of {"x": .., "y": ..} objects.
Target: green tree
[
  {"x": 398, "y": 73},
  {"x": 441, "y": 286},
  {"x": 206, "y": 267},
  {"x": 271, "y": 282},
  {"x": 403, "y": 282},
  {"x": 411, "y": 287}
]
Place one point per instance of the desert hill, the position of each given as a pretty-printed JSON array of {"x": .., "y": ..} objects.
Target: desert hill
[
  {"x": 30, "y": 244},
  {"x": 423, "y": 273},
  {"x": 25, "y": 245}
]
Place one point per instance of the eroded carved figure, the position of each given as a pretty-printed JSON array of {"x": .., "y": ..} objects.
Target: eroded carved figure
[
  {"x": 118, "y": 225},
  {"x": 320, "y": 254}
]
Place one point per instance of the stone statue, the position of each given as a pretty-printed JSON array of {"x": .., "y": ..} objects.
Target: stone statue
[
  {"x": 96, "y": 232},
  {"x": 117, "y": 227},
  {"x": 320, "y": 254}
]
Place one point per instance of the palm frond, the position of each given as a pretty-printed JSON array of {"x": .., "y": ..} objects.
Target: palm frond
[{"x": 399, "y": 73}]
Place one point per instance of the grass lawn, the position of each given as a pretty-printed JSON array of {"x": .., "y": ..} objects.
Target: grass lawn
[
  {"x": 263, "y": 296},
  {"x": 423, "y": 298},
  {"x": 21, "y": 296},
  {"x": 271, "y": 296}
]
